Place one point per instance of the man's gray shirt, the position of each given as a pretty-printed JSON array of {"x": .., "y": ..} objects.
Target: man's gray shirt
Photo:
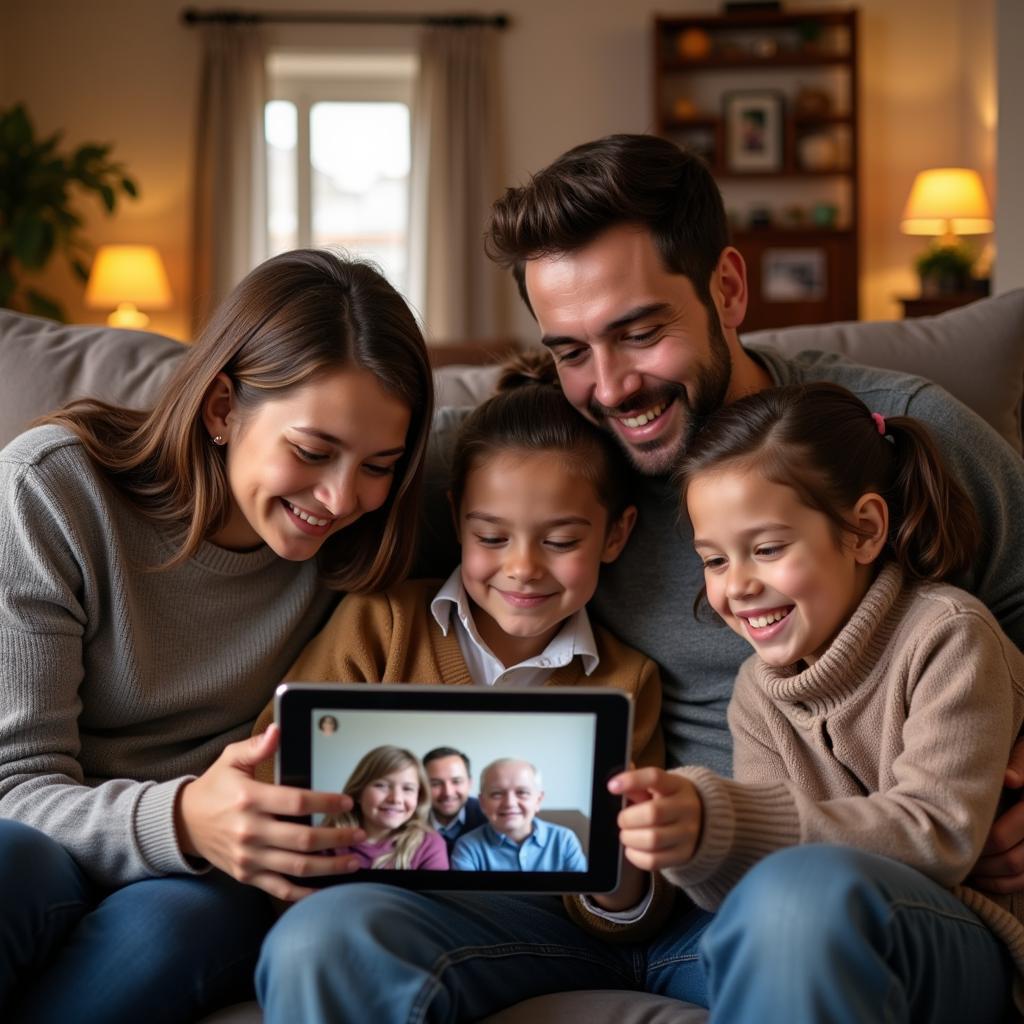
[{"x": 647, "y": 597}]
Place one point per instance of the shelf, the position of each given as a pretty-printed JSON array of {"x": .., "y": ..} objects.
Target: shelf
[
  {"x": 783, "y": 175},
  {"x": 754, "y": 19},
  {"x": 706, "y": 121},
  {"x": 743, "y": 76},
  {"x": 728, "y": 63},
  {"x": 807, "y": 235}
]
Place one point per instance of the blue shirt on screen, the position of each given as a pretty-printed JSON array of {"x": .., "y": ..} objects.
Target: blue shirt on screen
[{"x": 547, "y": 848}]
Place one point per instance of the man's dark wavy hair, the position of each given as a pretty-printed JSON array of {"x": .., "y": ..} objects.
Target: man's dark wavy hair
[{"x": 620, "y": 179}]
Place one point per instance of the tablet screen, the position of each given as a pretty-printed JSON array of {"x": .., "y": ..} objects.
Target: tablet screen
[{"x": 462, "y": 788}]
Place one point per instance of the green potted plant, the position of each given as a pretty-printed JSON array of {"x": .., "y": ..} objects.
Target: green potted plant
[
  {"x": 945, "y": 269},
  {"x": 36, "y": 215}
]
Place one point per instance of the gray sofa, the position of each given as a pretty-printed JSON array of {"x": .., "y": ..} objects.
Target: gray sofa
[{"x": 976, "y": 353}]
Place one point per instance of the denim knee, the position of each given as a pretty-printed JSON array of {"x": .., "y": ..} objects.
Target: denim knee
[
  {"x": 810, "y": 893},
  {"x": 35, "y": 863},
  {"x": 43, "y": 894},
  {"x": 342, "y": 918}
]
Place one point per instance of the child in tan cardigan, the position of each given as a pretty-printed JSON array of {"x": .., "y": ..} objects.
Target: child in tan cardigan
[
  {"x": 540, "y": 499},
  {"x": 877, "y": 713}
]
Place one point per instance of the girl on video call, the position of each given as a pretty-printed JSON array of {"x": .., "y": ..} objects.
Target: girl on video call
[
  {"x": 875, "y": 718},
  {"x": 391, "y": 800}
]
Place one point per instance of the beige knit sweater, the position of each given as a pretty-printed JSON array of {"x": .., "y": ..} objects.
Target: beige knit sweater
[{"x": 894, "y": 741}]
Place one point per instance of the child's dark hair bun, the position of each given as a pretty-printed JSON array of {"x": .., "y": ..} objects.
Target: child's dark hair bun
[{"x": 533, "y": 366}]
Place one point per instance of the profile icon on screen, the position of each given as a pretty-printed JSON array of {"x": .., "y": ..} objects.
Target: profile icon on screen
[{"x": 328, "y": 724}]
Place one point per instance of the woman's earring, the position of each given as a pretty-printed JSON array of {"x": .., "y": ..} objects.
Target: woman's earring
[{"x": 217, "y": 439}]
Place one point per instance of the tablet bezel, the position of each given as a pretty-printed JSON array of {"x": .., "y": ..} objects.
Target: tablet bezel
[{"x": 294, "y": 704}]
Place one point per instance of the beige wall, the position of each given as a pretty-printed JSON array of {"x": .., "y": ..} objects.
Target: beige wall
[
  {"x": 1010, "y": 208},
  {"x": 125, "y": 71}
]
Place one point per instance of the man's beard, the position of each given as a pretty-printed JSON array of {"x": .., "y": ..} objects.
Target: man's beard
[{"x": 659, "y": 457}]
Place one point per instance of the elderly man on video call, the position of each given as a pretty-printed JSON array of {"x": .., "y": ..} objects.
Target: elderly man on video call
[
  {"x": 453, "y": 812},
  {"x": 620, "y": 249},
  {"x": 514, "y": 838}
]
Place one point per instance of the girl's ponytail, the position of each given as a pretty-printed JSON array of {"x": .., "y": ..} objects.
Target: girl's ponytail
[
  {"x": 935, "y": 528},
  {"x": 532, "y": 366}
]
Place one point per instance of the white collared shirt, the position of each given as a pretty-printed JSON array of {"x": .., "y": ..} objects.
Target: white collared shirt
[{"x": 575, "y": 637}]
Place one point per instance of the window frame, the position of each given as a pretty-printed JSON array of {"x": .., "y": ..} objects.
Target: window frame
[{"x": 338, "y": 78}]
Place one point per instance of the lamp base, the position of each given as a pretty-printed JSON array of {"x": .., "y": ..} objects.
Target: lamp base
[{"x": 126, "y": 315}]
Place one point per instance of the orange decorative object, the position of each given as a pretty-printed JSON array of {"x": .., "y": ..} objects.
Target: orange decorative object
[
  {"x": 683, "y": 108},
  {"x": 693, "y": 44}
]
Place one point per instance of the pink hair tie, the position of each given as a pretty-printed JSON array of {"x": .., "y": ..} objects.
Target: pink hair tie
[{"x": 879, "y": 422}]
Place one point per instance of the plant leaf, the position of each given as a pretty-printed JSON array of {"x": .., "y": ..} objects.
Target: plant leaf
[
  {"x": 130, "y": 187},
  {"x": 33, "y": 240},
  {"x": 17, "y": 128},
  {"x": 109, "y": 198}
]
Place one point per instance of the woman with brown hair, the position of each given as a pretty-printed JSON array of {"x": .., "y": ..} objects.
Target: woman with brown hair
[{"x": 162, "y": 571}]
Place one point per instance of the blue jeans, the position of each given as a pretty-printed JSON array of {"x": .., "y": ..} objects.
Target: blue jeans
[
  {"x": 829, "y": 934},
  {"x": 163, "y": 949},
  {"x": 813, "y": 934}
]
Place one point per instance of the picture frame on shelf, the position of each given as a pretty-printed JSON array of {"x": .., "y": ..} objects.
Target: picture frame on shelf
[
  {"x": 794, "y": 274},
  {"x": 753, "y": 131}
]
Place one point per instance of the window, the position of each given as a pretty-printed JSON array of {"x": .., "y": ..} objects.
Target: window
[{"x": 338, "y": 156}]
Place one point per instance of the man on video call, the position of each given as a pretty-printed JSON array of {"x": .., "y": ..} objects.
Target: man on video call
[
  {"x": 621, "y": 251},
  {"x": 453, "y": 812},
  {"x": 514, "y": 838}
]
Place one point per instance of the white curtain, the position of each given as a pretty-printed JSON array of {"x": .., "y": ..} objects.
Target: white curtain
[
  {"x": 456, "y": 174},
  {"x": 230, "y": 201}
]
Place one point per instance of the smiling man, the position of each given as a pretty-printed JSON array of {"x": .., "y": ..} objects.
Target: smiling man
[
  {"x": 621, "y": 250},
  {"x": 452, "y": 810}
]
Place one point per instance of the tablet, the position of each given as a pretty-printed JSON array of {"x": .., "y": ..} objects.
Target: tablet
[{"x": 539, "y": 761}]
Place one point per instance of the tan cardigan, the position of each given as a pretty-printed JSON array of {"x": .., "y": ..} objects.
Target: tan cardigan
[
  {"x": 391, "y": 637},
  {"x": 916, "y": 703}
]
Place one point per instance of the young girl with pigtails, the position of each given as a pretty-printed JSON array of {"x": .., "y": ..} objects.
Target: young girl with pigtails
[{"x": 871, "y": 727}]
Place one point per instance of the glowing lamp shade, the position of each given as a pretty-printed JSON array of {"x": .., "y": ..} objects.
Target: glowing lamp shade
[
  {"x": 127, "y": 276},
  {"x": 947, "y": 201}
]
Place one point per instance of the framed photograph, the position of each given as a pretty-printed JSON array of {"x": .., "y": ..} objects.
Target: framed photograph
[
  {"x": 793, "y": 275},
  {"x": 753, "y": 131}
]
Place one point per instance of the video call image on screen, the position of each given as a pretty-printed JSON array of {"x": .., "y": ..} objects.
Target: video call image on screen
[{"x": 524, "y": 804}]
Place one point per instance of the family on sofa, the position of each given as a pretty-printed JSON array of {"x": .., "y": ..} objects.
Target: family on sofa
[{"x": 802, "y": 835}]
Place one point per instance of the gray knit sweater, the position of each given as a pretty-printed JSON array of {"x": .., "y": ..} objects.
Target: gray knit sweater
[
  {"x": 893, "y": 742},
  {"x": 118, "y": 683}
]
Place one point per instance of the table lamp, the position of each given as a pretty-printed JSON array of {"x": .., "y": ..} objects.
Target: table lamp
[
  {"x": 127, "y": 276},
  {"x": 947, "y": 202}
]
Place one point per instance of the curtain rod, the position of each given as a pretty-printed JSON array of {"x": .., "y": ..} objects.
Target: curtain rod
[{"x": 193, "y": 16}]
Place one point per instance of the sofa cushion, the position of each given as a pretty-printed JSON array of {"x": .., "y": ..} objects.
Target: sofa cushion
[
  {"x": 975, "y": 352},
  {"x": 44, "y": 364},
  {"x": 595, "y": 1007},
  {"x": 600, "y": 1007}
]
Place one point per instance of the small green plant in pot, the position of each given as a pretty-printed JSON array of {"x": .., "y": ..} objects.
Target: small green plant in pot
[
  {"x": 945, "y": 268},
  {"x": 36, "y": 215}
]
